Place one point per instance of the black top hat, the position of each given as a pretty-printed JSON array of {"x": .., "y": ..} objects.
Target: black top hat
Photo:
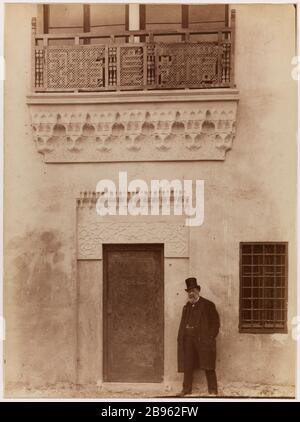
[{"x": 191, "y": 283}]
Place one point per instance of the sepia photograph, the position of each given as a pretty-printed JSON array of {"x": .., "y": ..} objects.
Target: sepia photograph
[{"x": 150, "y": 200}]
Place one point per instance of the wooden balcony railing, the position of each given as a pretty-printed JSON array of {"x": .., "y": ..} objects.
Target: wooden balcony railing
[{"x": 133, "y": 60}]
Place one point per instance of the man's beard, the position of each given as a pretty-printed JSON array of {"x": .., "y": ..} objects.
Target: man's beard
[{"x": 193, "y": 299}]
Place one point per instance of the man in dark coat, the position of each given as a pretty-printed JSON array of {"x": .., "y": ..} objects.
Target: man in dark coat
[{"x": 198, "y": 329}]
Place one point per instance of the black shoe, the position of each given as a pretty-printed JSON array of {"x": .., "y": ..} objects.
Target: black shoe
[{"x": 184, "y": 393}]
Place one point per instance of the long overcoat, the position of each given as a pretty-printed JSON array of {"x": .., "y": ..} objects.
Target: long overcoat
[{"x": 207, "y": 330}]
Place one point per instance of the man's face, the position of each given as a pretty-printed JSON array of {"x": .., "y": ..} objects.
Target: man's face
[{"x": 193, "y": 295}]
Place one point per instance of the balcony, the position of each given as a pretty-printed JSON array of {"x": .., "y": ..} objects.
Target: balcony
[
  {"x": 134, "y": 96},
  {"x": 87, "y": 62}
]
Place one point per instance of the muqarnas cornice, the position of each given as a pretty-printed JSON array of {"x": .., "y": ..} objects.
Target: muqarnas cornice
[{"x": 135, "y": 135}]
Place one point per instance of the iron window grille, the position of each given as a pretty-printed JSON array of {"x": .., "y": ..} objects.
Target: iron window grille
[{"x": 263, "y": 287}]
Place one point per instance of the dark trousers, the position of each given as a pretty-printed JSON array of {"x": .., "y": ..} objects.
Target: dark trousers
[{"x": 190, "y": 354}]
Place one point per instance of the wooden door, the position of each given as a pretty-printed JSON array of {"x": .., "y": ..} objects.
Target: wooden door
[{"x": 133, "y": 312}]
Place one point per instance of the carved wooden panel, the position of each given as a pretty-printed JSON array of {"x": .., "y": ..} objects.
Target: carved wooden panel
[
  {"x": 39, "y": 68},
  {"x": 108, "y": 67},
  {"x": 188, "y": 64},
  {"x": 133, "y": 313},
  {"x": 131, "y": 66},
  {"x": 80, "y": 66}
]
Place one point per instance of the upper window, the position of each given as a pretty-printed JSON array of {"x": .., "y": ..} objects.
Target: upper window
[
  {"x": 114, "y": 18},
  {"x": 76, "y": 18},
  {"x": 163, "y": 15},
  {"x": 208, "y": 15},
  {"x": 64, "y": 18},
  {"x": 263, "y": 287}
]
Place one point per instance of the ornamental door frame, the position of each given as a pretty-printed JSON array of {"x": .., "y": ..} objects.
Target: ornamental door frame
[{"x": 92, "y": 232}]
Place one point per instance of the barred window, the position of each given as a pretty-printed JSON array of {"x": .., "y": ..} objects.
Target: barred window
[{"x": 263, "y": 287}]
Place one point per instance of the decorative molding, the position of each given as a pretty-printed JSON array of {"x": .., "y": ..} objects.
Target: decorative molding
[
  {"x": 153, "y": 134},
  {"x": 88, "y": 199},
  {"x": 93, "y": 231},
  {"x": 129, "y": 97}
]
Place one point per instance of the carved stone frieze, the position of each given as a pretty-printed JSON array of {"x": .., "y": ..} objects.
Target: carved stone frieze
[
  {"x": 202, "y": 133},
  {"x": 179, "y": 125}
]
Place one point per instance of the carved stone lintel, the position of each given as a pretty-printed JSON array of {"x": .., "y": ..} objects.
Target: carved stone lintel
[
  {"x": 93, "y": 231},
  {"x": 153, "y": 134}
]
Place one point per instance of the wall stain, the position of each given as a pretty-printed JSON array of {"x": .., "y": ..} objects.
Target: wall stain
[
  {"x": 39, "y": 293},
  {"x": 38, "y": 269}
]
